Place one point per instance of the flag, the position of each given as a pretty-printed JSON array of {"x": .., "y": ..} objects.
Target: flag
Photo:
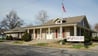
[{"x": 63, "y": 8}]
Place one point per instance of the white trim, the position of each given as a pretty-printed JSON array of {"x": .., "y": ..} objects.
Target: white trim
[
  {"x": 33, "y": 33},
  {"x": 27, "y": 30}
]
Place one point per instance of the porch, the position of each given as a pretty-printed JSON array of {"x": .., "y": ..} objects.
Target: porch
[{"x": 56, "y": 32}]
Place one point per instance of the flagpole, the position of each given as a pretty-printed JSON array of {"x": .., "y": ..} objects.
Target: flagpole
[
  {"x": 63, "y": 9},
  {"x": 62, "y": 14}
]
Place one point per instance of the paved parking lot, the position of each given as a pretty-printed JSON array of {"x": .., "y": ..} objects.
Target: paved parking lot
[{"x": 16, "y": 50}]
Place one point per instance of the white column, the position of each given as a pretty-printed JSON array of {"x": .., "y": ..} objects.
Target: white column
[
  {"x": 61, "y": 32},
  {"x": 75, "y": 30},
  {"x": 49, "y": 30},
  {"x": 48, "y": 36},
  {"x": 27, "y": 30},
  {"x": 33, "y": 33},
  {"x": 40, "y": 33}
]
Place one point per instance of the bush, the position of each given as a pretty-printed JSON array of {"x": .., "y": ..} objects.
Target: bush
[
  {"x": 87, "y": 40},
  {"x": 95, "y": 39},
  {"x": 26, "y": 37},
  {"x": 62, "y": 42},
  {"x": 9, "y": 37}
]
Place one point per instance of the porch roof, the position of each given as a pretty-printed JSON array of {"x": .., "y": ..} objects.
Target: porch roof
[
  {"x": 16, "y": 30},
  {"x": 53, "y": 25}
]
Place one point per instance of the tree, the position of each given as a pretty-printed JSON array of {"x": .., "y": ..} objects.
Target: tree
[
  {"x": 29, "y": 25},
  {"x": 11, "y": 21},
  {"x": 42, "y": 16}
]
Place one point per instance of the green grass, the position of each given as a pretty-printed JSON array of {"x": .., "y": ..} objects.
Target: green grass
[
  {"x": 42, "y": 44},
  {"x": 78, "y": 46},
  {"x": 1, "y": 41},
  {"x": 18, "y": 42}
]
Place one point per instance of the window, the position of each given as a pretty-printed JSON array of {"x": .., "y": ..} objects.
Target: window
[
  {"x": 58, "y": 22},
  {"x": 63, "y": 21}
]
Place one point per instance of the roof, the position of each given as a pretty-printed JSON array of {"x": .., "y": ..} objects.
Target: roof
[
  {"x": 17, "y": 29},
  {"x": 70, "y": 20}
]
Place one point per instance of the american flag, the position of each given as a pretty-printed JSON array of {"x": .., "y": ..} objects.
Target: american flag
[{"x": 63, "y": 8}]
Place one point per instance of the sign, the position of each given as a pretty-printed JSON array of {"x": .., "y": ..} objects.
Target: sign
[{"x": 75, "y": 38}]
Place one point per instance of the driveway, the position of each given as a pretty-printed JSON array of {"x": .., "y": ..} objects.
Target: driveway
[{"x": 16, "y": 50}]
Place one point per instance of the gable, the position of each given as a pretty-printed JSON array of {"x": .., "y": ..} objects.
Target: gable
[
  {"x": 84, "y": 23},
  {"x": 57, "y": 21}
]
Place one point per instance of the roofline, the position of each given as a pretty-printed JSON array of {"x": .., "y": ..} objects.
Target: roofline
[
  {"x": 13, "y": 31},
  {"x": 53, "y": 25},
  {"x": 86, "y": 28}
]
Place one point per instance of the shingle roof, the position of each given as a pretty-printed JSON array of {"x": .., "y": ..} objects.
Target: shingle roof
[
  {"x": 18, "y": 29},
  {"x": 68, "y": 20}
]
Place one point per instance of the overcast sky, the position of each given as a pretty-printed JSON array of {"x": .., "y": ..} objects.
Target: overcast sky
[{"x": 28, "y": 9}]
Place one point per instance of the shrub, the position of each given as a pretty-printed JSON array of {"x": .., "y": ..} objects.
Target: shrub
[
  {"x": 95, "y": 39},
  {"x": 87, "y": 40},
  {"x": 9, "y": 37},
  {"x": 26, "y": 37},
  {"x": 62, "y": 42}
]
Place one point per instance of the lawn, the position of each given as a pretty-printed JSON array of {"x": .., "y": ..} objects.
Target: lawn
[
  {"x": 18, "y": 42},
  {"x": 67, "y": 45}
]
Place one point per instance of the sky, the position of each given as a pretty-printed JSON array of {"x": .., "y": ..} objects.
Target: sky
[{"x": 28, "y": 9}]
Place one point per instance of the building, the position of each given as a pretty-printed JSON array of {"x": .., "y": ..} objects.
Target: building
[
  {"x": 55, "y": 29},
  {"x": 95, "y": 34},
  {"x": 2, "y": 35}
]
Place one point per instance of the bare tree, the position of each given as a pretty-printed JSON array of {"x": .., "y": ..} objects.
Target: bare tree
[
  {"x": 11, "y": 21},
  {"x": 29, "y": 25},
  {"x": 42, "y": 16}
]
